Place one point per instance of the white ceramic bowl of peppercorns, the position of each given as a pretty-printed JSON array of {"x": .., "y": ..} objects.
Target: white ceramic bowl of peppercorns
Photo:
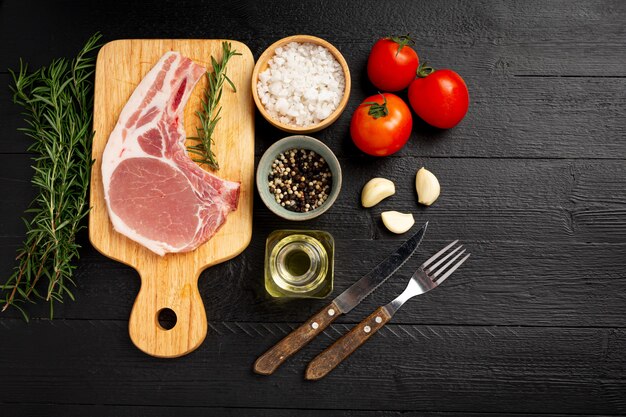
[{"x": 298, "y": 178}]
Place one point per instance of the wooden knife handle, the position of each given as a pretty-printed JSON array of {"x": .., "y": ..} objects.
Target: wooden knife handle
[
  {"x": 294, "y": 341},
  {"x": 348, "y": 343}
]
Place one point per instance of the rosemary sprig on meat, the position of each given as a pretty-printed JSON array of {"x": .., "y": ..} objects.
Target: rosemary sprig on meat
[
  {"x": 209, "y": 115},
  {"x": 58, "y": 108}
]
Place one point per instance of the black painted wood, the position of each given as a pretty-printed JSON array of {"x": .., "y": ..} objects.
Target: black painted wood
[
  {"x": 444, "y": 368},
  {"x": 533, "y": 181},
  {"x": 581, "y": 117},
  {"x": 80, "y": 410}
]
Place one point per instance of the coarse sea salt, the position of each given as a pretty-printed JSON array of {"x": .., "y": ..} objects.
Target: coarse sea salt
[{"x": 302, "y": 85}]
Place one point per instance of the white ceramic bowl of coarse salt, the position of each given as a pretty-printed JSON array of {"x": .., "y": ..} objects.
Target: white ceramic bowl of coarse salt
[{"x": 301, "y": 84}]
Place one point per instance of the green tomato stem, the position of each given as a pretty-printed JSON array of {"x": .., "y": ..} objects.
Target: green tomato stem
[
  {"x": 376, "y": 109},
  {"x": 424, "y": 70},
  {"x": 402, "y": 41}
]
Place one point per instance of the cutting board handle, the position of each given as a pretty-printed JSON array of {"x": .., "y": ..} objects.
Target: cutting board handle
[{"x": 163, "y": 287}]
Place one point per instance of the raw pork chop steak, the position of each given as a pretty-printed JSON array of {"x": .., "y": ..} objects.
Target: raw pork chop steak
[{"x": 155, "y": 194}]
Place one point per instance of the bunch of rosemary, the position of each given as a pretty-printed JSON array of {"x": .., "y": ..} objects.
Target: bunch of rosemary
[
  {"x": 58, "y": 107},
  {"x": 208, "y": 115}
]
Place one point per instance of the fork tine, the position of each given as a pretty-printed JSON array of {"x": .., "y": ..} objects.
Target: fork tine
[
  {"x": 437, "y": 255},
  {"x": 454, "y": 268},
  {"x": 442, "y": 260},
  {"x": 439, "y": 271}
]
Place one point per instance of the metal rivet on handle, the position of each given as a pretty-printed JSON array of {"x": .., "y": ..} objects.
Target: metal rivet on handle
[
  {"x": 379, "y": 319},
  {"x": 331, "y": 312},
  {"x": 367, "y": 329},
  {"x": 315, "y": 325}
]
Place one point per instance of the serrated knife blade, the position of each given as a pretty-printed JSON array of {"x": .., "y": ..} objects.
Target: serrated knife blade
[
  {"x": 358, "y": 291},
  {"x": 267, "y": 363}
]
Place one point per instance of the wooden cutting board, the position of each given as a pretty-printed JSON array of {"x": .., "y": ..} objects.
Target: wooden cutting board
[{"x": 170, "y": 282}]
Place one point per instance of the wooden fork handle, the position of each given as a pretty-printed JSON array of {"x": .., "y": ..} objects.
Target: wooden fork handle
[
  {"x": 267, "y": 363},
  {"x": 348, "y": 343}
]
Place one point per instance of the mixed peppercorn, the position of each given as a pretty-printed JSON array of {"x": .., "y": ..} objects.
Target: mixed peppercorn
[{"x": 300, "y": 180}]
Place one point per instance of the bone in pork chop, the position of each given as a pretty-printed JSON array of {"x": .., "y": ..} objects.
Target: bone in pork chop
[{"x": 155, "y": 194}]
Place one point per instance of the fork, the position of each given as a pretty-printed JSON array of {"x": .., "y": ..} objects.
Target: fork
[{"x": 428, "y": 276}]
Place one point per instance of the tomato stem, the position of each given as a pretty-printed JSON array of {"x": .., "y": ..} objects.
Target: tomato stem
[
  {"x": 424, "y": 70},
  {"x": 376, "y": 109},
  {"x": 402, "y": 41}
]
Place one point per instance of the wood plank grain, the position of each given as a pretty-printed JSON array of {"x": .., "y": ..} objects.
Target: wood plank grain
[
  {"x": 338, "y": 352},
  {"x": 170, "y": 281},
  {"x": 268, "y": 362},
  {"x": 485, "y": 199},
  {"x": 537, "y": 200},
  {"x": 533, "y": 325},
  {"x": 96, "y": 410},
  {"x": 531, "y": 37},
  {"x": 508, "y": 117},
  {"x": 504, "y": 370},
  {"x": 531, "y": 264},
  {"x": 505, "y": 284}
]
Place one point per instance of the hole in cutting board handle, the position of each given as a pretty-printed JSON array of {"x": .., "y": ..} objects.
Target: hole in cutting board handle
[{"x": 166, "y": 318}]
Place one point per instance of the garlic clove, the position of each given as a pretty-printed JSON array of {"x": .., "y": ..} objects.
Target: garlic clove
[
  {"x": 397, "y": 222},
  {"x": 376, "y": 190},
  {"x": 427, "y": 186}
]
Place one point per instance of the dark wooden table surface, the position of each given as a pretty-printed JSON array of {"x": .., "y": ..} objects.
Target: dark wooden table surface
[{"x": 533, "y": 181}]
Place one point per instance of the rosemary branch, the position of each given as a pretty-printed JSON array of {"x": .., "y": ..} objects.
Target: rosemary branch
[
  {"x": 209, "y": 115},
  {"x": 58, "y": 107}
]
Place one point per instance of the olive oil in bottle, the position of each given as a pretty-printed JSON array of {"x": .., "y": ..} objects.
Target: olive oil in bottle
[{"x": 299, "y": 263}]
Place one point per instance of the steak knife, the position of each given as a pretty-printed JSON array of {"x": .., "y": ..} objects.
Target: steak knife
[{"x": 267, "y": 363}]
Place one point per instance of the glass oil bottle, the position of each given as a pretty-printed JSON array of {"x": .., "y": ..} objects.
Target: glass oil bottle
[{"x": 299, "y": 263}]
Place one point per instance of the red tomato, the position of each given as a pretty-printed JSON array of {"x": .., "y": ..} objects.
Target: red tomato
[
  {"x": 439, "y": 97},
  {"x": 392, "y": 63},
  {"x": 381, "y": 125}
]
